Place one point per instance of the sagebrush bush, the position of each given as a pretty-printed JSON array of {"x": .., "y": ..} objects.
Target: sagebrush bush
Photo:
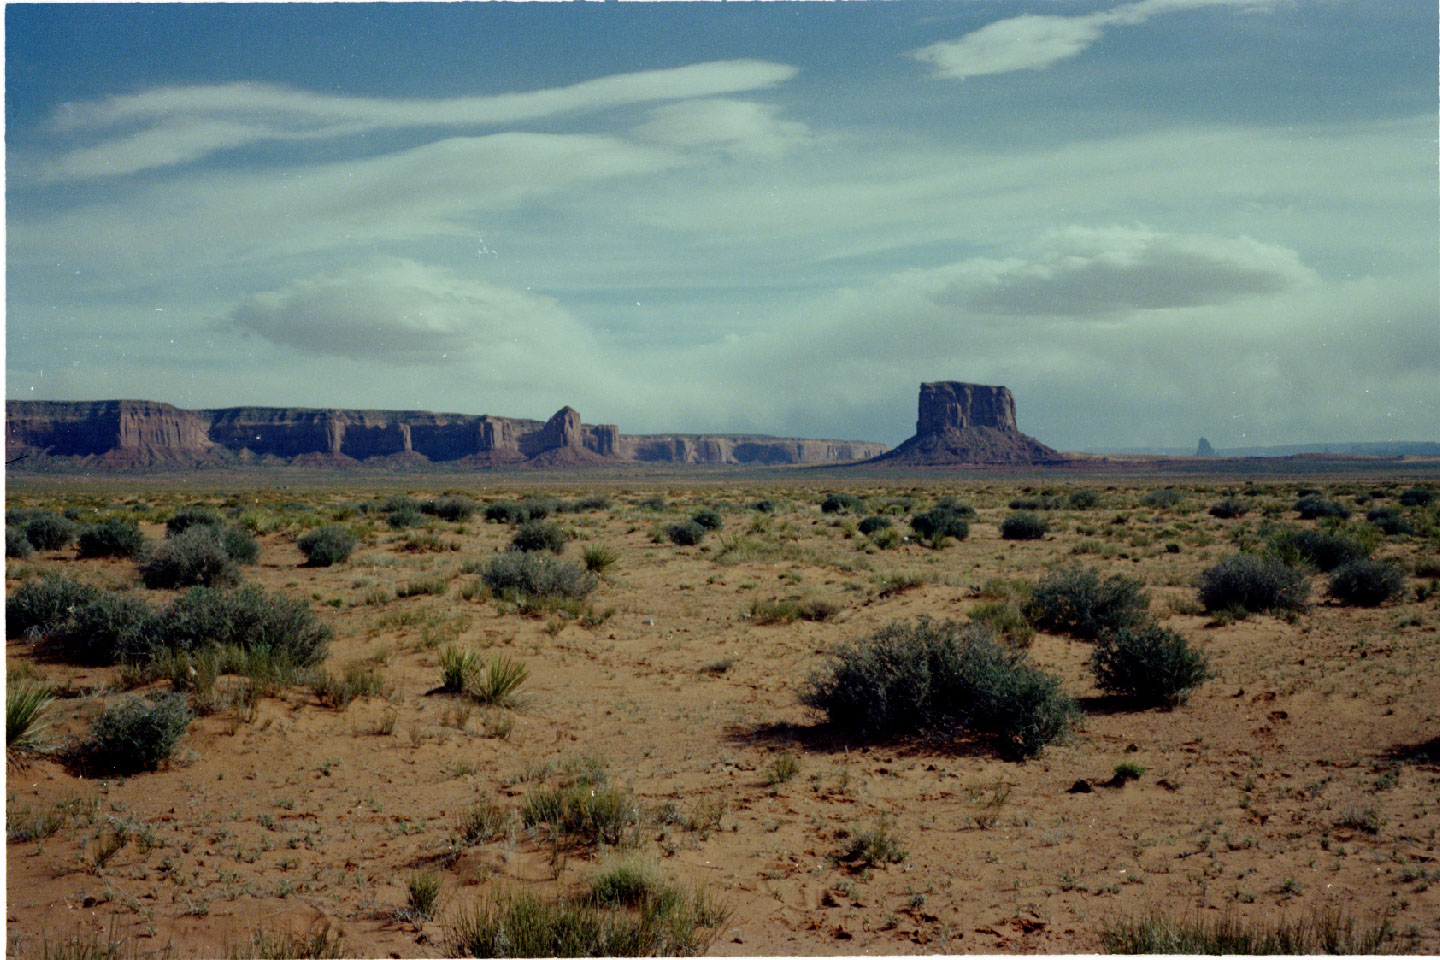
[
  {"x": 532, "y": 574},
  {"x": 708, "y": 517},
  {"x": 1082, "y": 499},
  {"x": 1152, "y": 665},
  {"x": 589, "y": 503},
  {"x": 112, "y": 537},
  {"x": 941, "y": 677},
  {"x": 530, "y": 508},
  {"x": 1023, "y": 525},
  {"x": 870, "y": 524},
  {"x": 1164, "y": 498},
  {"x": 241, "y": 547},
  {"x": 49, "y": 530},
  {"x": 1366, "y": 583},
  {"x": 17, "y": 545},
  {"x": 247, "y": 617},
  {"x": 1034, "y": 502},
  {"x": 102, "y": 629},
  {"x": 187, "y": 517},
  {"x": 1417, "y": 497},
  {"x": 1254, "y": 583},
  {"x": 42, "y": 606},
  {"x": 326, "y": 546},
  {"x": 197, "y": 556},
  {"x": 137, "y": 734},
  {"x": 1229, "y": 508},
  {"x": 842, "y": 503},
  {"x": 534, "y": 535},
  {"x": 1321, "y": 549},
  {"x": 945, "y": 519},
  {"x": 685, "y": 534},
  {"x": 1389, "y": 521},
  {"x": 453, "y": 509},
  {"x": 404, "y": 518},
  {"x": 763, "y": 506},
  {"x": 1076, "y": 601},
  {"x": 1313, "y": 506}
]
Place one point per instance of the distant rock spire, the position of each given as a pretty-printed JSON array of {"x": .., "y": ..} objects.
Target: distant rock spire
[{"x": 1204, "y": 449}]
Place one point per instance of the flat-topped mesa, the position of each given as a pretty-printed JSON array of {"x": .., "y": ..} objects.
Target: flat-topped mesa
[
  {"x": 952, "y": 405},
  {"x": 967, "y": 423}
]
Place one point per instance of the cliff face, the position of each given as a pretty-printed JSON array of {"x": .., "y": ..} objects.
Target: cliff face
[
  {"x": 141, "y": 433},
  {"x": 967, "y": 423}
]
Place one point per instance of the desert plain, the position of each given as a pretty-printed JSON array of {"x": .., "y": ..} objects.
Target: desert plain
[{"x": 361, "y": 809}]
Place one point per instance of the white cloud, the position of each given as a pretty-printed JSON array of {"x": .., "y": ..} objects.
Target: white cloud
[
  {"x": 738, "y": 127},
  {"x": 1034, "y": 42},
  {"x": 178, "y": 124}
]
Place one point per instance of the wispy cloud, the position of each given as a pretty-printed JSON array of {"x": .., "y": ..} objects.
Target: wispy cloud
[
  {"x": 1035, "y": 41},
  {"x": 172, "y": 125},
  {"x": 737, "y": 127}
]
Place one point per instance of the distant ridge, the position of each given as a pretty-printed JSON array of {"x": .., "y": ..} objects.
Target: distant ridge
[{"x": 1376, "y": 448}]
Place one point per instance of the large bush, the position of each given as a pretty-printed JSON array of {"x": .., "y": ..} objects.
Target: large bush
[
  {"x": 1229, "y": 508},
  {"x": 112, "y": 537},
  {"x": 1164, "y": 498},
  {"x": 538, "y": 575},
  {"x": 47, "y": 530},
  {"x": 871, "y": 524},
  {"x": 1389, "y": 521},
  {"x": 327, "y": 546},
  {"x": 100, "y": 630},
  {"x": 708, "y": 517},
  {"x": 535, "y": 535},
  {"x": 1321, "y": 549},
  {"x": 941, "y": 677},
  {"x": 454, "y": 509},
  {"x": 188, "y": 517},
  {"x": 1417, "y": 497},
  {"x": 246, "y": 617},
  {"x": 1315, "y": 505},
  {"x": 42, "y": 606},
  {"x": 685, "y": 534},
  {"x": 17, "y": 545},
  {"x": 1366, "y": 583},
  {"x": 1023, "y": 525},
  {"x": 1247, "y": 582},
  {"x": 1076, "y": 601},
  {"x": 198, "y": 556},
  {"x": 842, "y": 503},
  {"x": 946, "y": 519},
  {"x": 136, "y": 735},
  {"x": 1150, "y": 664}
]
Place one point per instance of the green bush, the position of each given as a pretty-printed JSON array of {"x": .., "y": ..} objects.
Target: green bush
[
  {"x": 1164, "y": 498},
  {"x": 327, "y": 546},
  {"x": 534, "y": 535},
  {"x": 1035, "y": 503},
  {"x": 1023, "y": 525},
  {"x": 1366, "y": 583},
  {"x": 197, "y": 556},
  {"x": 941, "y": 677},
  {"x": 708, "y": 518},
  {"x": 530, "y": 508},
  {"x": 871, "y": 524},
  {"x": 685, "y": 534},
  {"x": 247, "y": 617},
  {"x": 537, "y": 575},
  {"x": 40, "y": 607},
  {"x": 584, "y": 813},
  {"x": 188, "y": 517},
  {"x": 1313, "y": 506},
  {"x": 763, "y": 506},
  {"x": 101, "y": 629},
  {"x": 136, "y": 735},
  {"x": 112, "y": 537},
  {"x": 404, "y": 517},
  {"x": 241, "y": 547},
  {"x": 945, "y": 519},
  {"x": 1253, "y": 583},
  {"x": 1417, "y": 497},
  {"x": 1229, "y": 508},
  {"x": 1152, "y": 665},
  {"x": 49, "y": 530},
  {"x": 1076, "y": 601},
  {"x": 453, "y": 509},
  {"x": 17, "y": 545},
  {"x": 587, "y": 504},
  {"x": 842, "y": 503},
  {"x": 1389, "y": 521},
  {"x": 1318, "y": 548},
  {"x": 1083, "y": 499}
]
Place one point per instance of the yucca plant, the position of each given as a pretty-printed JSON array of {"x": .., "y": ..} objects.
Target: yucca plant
[
  {"x": 459, "y": 669},
  {"x": 25, "y": 718},
  {"x": 502, "y": 678}
]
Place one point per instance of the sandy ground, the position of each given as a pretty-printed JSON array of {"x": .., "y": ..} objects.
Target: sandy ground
[{"x": 300, "y": 816}]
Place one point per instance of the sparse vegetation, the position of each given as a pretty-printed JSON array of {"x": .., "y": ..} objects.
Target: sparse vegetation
[
  {"x": 1367, "y": 583},
  {"x": 1150, "y": 664},
  {"x": 1023, "y": 525},
  {"x": 137, "y": 734},
  {"x": 112, "y": 537},
  {"x": 1251, "y": 583},
  {"x": 326, "y": 546},
  {"x": 537, "y": 535},
  {"x": 529, "y": 574},
  {"x": 1075, "y": 600}
]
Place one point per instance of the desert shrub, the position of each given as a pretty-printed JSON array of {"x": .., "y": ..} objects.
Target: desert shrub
[
  {"x": 338, "y": 692},
  {"x": 1389, "y": 521},
  {"x": 1229, "y": 508},
  {"x": 685, "y": 534},
  {"x": 197, "y": 556},
  {"x": 583, "y": 812},
  {"x": 502, "y": 511},
  {"x": 327, "y": 545},
  {"x": 945, "y": 519},
  {"x": 1076, "y": 601},
  {"x": 534, "y": 535},
  {"x": 1164, "y": 498},
  {"x": 1150, "y": 664},
  {"x": 137, "y": 734},
  {"x": 941, "y": 677},
  {"x": 886, "y": 539},
  {"x": 101, "y": 629},
  {"x": 1006, "y": 620},
  {"x": 841, "y": 503},
  {"x": 453, "y": 509},
  {"x": 709, "y": 518},
  {"x": 404, "y": 518},
  {"x": 241, "y": 547},
  {"x": 763, "y": 506},
  {"x": 49, "y": 530},
  {"x": 1023, "y": 525},
  {"x": 1315, "y": 505},
  {"x": 25, "y": 721},
  {"x": 112, "y": 537},
  {"x": 532, "y": 574},
  {"x": 588, "y": 503},
  {"x": 459, "y": 669},
  {"x": 1326, "y": 931},
  {"x": 247, "y": 617},
  {"x": 1035, "y": 502},
  {"x": 530, "y": 508},
  {"x": 599, "y": 558},
  {"x": 17, "y": 545},
  {"x": 188, "y": 517},
  {"x": 1082, "y": 499},
  {"x": 1417, "y": 497},
  {"x": 1321, "y": 549},
  {"x": 1366, "y": 583},
  {"x": 41, "y": 606},
  {"x": 1253, "y": 583},
  {"x": 874, "y": 847},
  {"x": 870, "y": 524},
  {"x": 774, "y": 611},
  {"x": 497, "y": 686}
]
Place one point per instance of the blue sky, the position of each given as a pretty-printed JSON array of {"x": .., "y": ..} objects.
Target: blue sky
[{"x": 1152, "y": 219}]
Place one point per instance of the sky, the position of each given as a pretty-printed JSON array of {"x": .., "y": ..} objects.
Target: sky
[{"x": 1152, "y": 220}]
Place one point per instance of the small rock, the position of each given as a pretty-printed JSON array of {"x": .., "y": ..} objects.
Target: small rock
[{"x": 1081, "y": 786}]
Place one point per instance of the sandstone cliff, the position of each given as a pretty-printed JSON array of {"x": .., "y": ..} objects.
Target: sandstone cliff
[
  {"x": 967, "y": 423},
  {"x": 137, "y": 433}
]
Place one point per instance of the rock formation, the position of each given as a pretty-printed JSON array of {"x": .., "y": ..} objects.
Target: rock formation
[
  {"x": 139, "y": 433},
  {"x": 966, "y": 423},
  {"x": 1203, "y": 449}
]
